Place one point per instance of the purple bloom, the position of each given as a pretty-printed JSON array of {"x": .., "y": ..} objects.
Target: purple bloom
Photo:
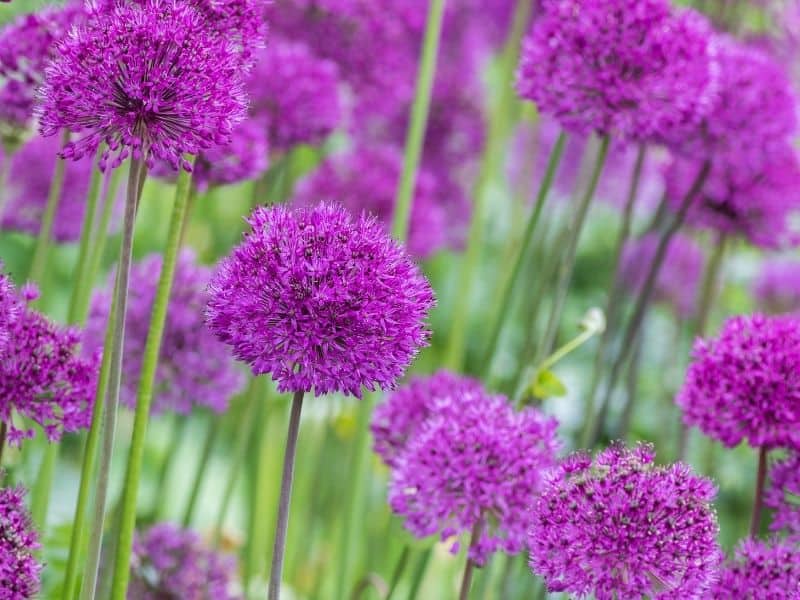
[
  {"x": 628, "y": 68},
  {"x": 473, "y": 460},
  {"x": 760, "y": 570},
  {"x": 9, "y": 310},
  {"x": 320, "y": 300},
  {"x": 148, "y": 79},
  {"x": 297, "y": 93},
  {"x": 621, "y": 527},
  {"x": 366, "y": 179},
  {"x": 19, "y": 568},
  {"x": 782, "y": 494},
  {"x": 744, "y": 384},
  {"x": 777, "y": 288},
  {"x": 679, "y": 279},
  {"x": 44, "y": 378},
  {"x": 194, "y": 368},
  {"x": 170, "y": 562}
]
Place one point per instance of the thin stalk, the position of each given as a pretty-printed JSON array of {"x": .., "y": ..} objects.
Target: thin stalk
[
  {"x": 279, "y": 548},
  {"x": 758, "y": 499},
  {"x": 40, "y": 494},
  {"x": 371, "y": 580},
  {"x": 527, "y": 239},
  {"x": 144, "y": 394},
  {"x": 631, "y": 387},
  {"x": 419, "y": 573},
  {"x": 466, "y": 580},
  {"x": 3, "y": 434},
  {"x": 110, "y": 407},
  {"x": 418, "y": 119},
  {"x": 178, "y": 434},
  {"x": 397, "y": 572},
  {"x": 205, "y": 456}
]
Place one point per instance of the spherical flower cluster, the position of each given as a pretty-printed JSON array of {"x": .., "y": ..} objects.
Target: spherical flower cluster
[
  {"x": 366, "y": 179},
  {"x": 620, "y": 527},
  {"x": 628, "y": 68},
  {"x": 170, "y": 562},
  {"x": 679, "y": 278},
  {"x": 19, "y": 568},
  {"x": 395, "y": 421},
  {"x": 28, "y": 188},
  {"x": 44, "y": 378},
  {"x": 9, "y": 310},
  {"x": 742, "y": 384},
  {"x": 777, "y": 287},
  {"x": 474, "y": 465},
  {"x": 194, "y": 368},
  {"x": 321, "y": 300},
  {"x": 296, "y": 92},
  {"x": 760, "y": 570},
  {"x": 782, "y": 493},
  {"x": 150, "y": 79}
]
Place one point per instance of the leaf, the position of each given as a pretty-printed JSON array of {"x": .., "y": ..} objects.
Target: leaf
[{"x": 547, "y": 385}]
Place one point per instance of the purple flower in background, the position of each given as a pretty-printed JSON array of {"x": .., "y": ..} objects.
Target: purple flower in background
[
  {"x": 621, "y": 527},
  {"x": 628, "y": 68},
  {"x": 296, "y": 92},
  {"x": 679, "y": 279},
  {"x": 170, "y": 562},
  {"x": 194, "y": 368},
  {"x": 149, "y": 79},
  {"x": 777, "y": 287},
  {"x": 9, "y": 310},
  {"x": 404, "y": 412},
  {"x": 474, "y": 460},
  {"x": 20, "y": 570},
  {"x": 783, "y": 492},
  {"x": 365, "y": 180},
  {"x": 745, "y": 383},
  {"x": 760, "y": 570},
  {"x": 322, "y": 301},
  {"x": 44, "y": 378}
]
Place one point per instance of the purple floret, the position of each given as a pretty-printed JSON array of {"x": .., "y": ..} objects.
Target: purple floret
[
  {"x": 20, "y": 569},
  {"x": 760, "y": 570},
  {"x": 783, "y": 493},
  {"x": 777, "y": 288},
  {"x": 10, "y": 308}
]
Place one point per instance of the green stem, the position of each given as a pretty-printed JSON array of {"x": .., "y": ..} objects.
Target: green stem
[
  {"x": 177, "y": 435},
  {"x": 110, "y": 407},
  {"x": 419, "y": 119},
  {"x": 144, "y": 394},
  {"x": 205, "y": 456},
  {"x": 397, "y": 572},
  {"x": 527, "y": 239},
  {"x": 419, "y": 573},
  {"x": 758, "y": 500},
  {"x": 466, "y": 580}
]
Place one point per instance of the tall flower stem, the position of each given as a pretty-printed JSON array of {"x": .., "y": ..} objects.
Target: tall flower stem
[
  {"x": 466, "y": 580},
  {"x": 758, "y": 499},
  {"x": 527, "y": 239},
  {"x": 500, "y": 120},
  {"x": 109, "y": 408},
  {"x": 397, "y": 572},
  {"x": 419, "y": 119},
  {"x": 279, "y": 547},
  {"x": 205, "y": 456},
  {"x": 3, "y": 435},
  {"x": 144, "y": 394}
]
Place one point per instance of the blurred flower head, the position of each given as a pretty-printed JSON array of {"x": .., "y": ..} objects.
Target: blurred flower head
[
  {"x": 782, "y": 494},
  {"x": 777, "y": 288},
  {"x": 20, "y": 569},
  {"x": 760, "y": 569}
]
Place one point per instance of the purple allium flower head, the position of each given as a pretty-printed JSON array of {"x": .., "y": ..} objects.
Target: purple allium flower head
[
  {"x": 630, "y": 68},
  {"x": 777, "y": 287},
  {"x": 194, "y": 368},
  {"x": 170, "y": 562},
  {"x": 365, "y": 180},
  {"x": 474, "y": 460},
  {"x": 782, "y": 494},
  {"x": 26, "y": 45},
  {"x": 745, "y": 383},
  {"x": 297, "y": 92},
  {"x": 760, "y": 569},
  {"x": 323, "y": 301},
  {"x": 679, "y": 279},
  {"x": 620, "y": 527},
  {"x": 149, "y": 79},
  {"x": 19, "y": 568},
  {"x": 396, "y": 420},
  {"x": 44, "y": 378},
  {"x": 9, "y": 310}
]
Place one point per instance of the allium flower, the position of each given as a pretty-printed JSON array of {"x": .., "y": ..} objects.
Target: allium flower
[
  {"x": 474, "y": 460},
  {"x": 678, "y": 280},
  {"x": 320, "y": 300},
  {"x": 19, "y": 568},
  {"x": 9, "y": 310},
  {"x": 783, "y": 493},
  {"x": 396, "y": 420},
  {"x": 44, "y": 378},
  {"x": 194, "y": 368},
  {"x": 297, "y": 93},
  {"x": 620, "y": 527},
  {"x": 170, "y": 562},
  {"x": 744, "y": 384},
  {"x": 366, "y": 179},
  {"x": 149, "y": 79},
  {"x": 777, "y": 288},
  {"x": 628, "y": 68},
  {"x": 760, "y": 570}
]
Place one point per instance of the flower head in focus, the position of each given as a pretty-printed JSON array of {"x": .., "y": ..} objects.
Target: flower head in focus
[
  {"x": 20, "y": 569},
  {"x": 760, "y": 569}
]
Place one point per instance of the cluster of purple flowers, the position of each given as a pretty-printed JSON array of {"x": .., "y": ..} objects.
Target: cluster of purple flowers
[
  {"x": 20, "y": 568},
  {"x": 9, "y": 310},
  {"x": 760, "y": 570},
  {"x": 777, "y": 288},
  {"x": 782, "y": 494}
]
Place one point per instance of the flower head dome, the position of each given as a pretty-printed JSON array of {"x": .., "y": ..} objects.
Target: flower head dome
[
  {"x": 761, "y": 570},
  {"x": 781, "y": 495},
  {"x": 474, "y": 465},
  {"x": 745, "y": 383},
  {"x": 628, "y": 68},
  {"x": 10, "y": 308},
  {"x": 620, "y": 527},
  {"x": 20, "y": 570},
  {"x": 320, "y": 300},
  {"x": 150, "y": 79},
  {"x": 194, "y": 369},
  {"x": 44, "y": 378},
  {"x": 170, "y": 562},
  {"x": 777, "y": 287}
]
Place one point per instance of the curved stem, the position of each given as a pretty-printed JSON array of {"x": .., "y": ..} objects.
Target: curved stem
[
  {"x": 466, "y": 580},
  {"x": 758, "y": 499}
]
